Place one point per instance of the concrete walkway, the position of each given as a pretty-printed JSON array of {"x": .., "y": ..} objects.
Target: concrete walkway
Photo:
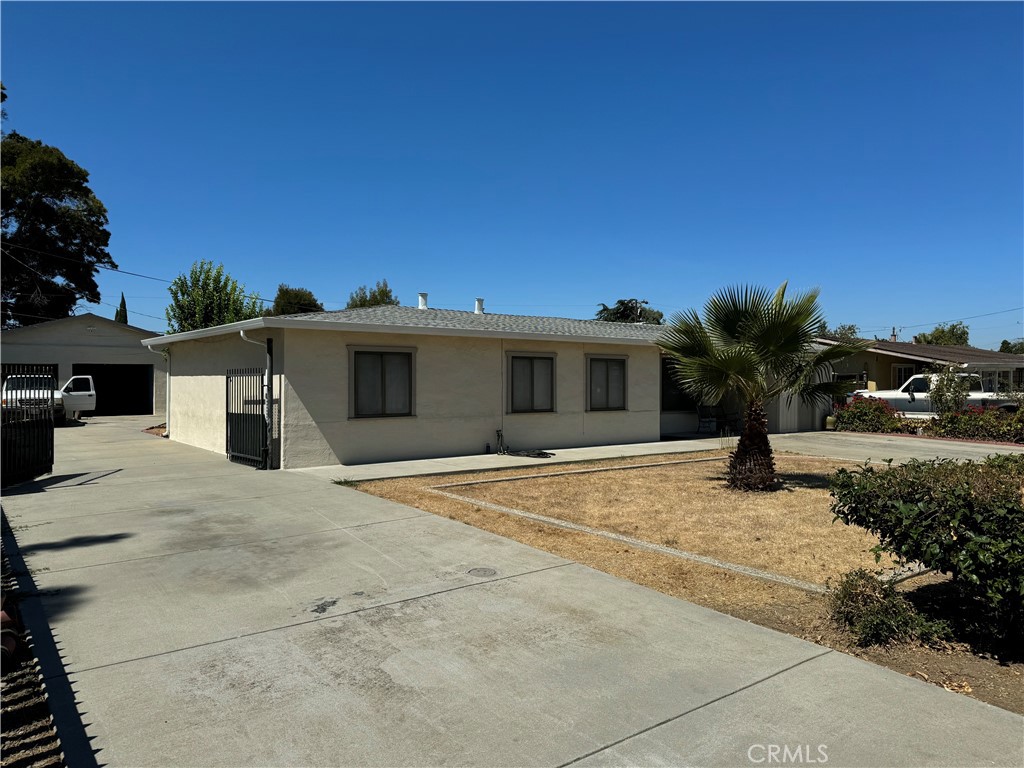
[
  {"x": 205, "y": 614},
  {"x": 838, "y": 445}
]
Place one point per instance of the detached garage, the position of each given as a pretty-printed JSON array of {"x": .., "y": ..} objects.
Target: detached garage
[{"x": 129, "y": 379}]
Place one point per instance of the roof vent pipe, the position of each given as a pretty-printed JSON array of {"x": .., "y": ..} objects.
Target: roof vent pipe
[
  {"x": 423, "y": 301},
  {"x": 479, "y": 306}
]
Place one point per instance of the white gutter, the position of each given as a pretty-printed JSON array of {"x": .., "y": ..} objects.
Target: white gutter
[
  {"x": 252, "y": 341},
  {"x": 166, "y": 354}
]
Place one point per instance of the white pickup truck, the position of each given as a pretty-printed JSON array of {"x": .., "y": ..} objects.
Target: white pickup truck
[
  {"x": 914, "y": 398},
  {"x": 78, "y": 395}
]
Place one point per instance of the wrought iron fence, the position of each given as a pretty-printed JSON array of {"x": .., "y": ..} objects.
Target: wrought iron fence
[
  {"x": 27, "y": 421},
  {"x": 246, "y": 417}
]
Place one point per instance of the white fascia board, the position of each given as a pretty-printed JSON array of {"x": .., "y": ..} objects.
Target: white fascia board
[
  {"x": 321, "y": 325},
  {"x": 203, "y": 333}
]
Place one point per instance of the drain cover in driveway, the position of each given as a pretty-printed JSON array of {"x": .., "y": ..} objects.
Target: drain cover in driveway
[{"x": 482, "y": 572}]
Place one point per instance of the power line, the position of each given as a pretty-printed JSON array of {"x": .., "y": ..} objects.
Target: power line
[{"x": 112, "y": 269}]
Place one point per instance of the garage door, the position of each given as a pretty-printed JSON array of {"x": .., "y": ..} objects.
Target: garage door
[{"x": 121, "y": 390}]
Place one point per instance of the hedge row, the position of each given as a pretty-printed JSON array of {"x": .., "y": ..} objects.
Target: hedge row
[{"x": 867, "y": 414}]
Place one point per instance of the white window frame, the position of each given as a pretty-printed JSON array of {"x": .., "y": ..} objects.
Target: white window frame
[
  {"x": 903, "y": 380},
  {"x": 553, "y": 357},
  {"x": 352, "y": 350},
  {"x": 625, "y": 381}
]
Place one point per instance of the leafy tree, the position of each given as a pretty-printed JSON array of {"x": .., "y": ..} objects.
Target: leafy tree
[
  {"x": 293, "y": 301},
  {"x": 1012, "y": 347},
  {"x": 754, "y": 345},
  {"x": 121, "y": 315},
  {"x": 206, "y": 297},
  {"x": 54, "y": 233},
  {"x": 629, "y": 311},
  {"x": 842, "y": 332},
  {"x": 381, "y": 294},
  {"x": 953, "y": 335}
]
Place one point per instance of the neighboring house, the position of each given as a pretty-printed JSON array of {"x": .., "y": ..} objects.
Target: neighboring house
[
  {"x": 392, "y": 383},
  {"x": 888, "y": 364},
  {"x": 129, "y": 379}
]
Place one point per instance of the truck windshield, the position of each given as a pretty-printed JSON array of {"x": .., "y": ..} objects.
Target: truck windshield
[{"x": 28, "y": 382}]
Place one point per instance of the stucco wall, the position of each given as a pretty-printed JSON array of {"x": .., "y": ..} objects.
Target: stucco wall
[
  {"x": 85, "y": 339},
  {"x": 198, "y": 386},
  {"x": 460, "y": 400}
]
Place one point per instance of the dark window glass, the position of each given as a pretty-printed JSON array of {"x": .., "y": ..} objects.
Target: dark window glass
[
  {"x": 533, "y": 384},
  {"x": 672, "y": 397},
  {"x": 383, "y": 383},
  {"x": 607, "y": 385}
]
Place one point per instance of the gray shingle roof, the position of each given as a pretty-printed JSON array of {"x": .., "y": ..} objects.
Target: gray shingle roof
[
  {"x": 949, "y": 354},
  {"x": 455, "y": 320}
]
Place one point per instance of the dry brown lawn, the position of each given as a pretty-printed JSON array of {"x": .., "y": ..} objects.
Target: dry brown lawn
[{"x": 687, "y": 506}]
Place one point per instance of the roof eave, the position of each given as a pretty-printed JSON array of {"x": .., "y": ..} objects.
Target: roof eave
[
  {"x": 994, "y": 365},
  {"x": 204, "y": 333},
  {"x": 320, "y": 325}
]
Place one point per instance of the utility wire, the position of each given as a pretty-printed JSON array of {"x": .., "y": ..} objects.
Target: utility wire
[{"x": 113, "y": 269}]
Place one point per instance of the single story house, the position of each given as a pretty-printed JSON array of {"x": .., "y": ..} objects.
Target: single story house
[
  {"x": 129, "y": 379},
  {"x": 392, "y": 383},
  {"x": 888, "y": 365}
]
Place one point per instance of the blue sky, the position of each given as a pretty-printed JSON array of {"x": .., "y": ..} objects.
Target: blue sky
[{"x": 548, "y": 157}]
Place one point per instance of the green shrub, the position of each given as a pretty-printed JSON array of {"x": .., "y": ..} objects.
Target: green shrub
[
  {"x": 867, "y": 414},
  {"x": 963, "y": 519},
  {"x": 949, "y": 390},
  {"x": 975, "y": 423},
  {"x": 876, "y": 613}
]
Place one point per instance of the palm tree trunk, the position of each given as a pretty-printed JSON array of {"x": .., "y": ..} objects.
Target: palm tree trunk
[{"x": 752, "y": 464}]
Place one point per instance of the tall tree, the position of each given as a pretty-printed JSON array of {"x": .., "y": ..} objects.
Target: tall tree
[
  {"x": 54, "y": 233},
  {"x": 953, "y": 335},
  {"x": 842, "y": 332},
  {"x": 294, "y": 301},
  {"x": 206, "y": 297},
  {"x": 381, "y": 294},
  {"x": 1012, "y": 347},
  {"x": 629, "y": 311},
  {"x": 121, "y": 315},
  {"x": 756, "y": 346}
]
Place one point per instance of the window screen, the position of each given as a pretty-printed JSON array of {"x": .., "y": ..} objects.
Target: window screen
[
  {"x": 533, "y": 384},
  {"x": 607, "y": 384},
  {"x": 383, "y": 383}
]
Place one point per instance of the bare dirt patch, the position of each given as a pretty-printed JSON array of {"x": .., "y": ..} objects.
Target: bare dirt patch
[{"x": 688, "y": 506}]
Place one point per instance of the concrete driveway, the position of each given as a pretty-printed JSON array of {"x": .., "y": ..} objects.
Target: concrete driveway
[{"x": 205, "y": 614}]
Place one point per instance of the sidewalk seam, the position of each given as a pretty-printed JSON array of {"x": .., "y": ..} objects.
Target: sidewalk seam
[{"x": 681, "y": 715}]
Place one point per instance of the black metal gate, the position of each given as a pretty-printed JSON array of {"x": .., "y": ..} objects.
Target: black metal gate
[
  {"x": 27, "y": 427},
  {"x": 247, "y": 417}
]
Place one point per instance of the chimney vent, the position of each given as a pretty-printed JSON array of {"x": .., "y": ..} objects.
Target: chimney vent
[
  {"x": 893, "y": 337},
  {"x": 479, "y": 306},
  {"x": 423, "y": 301}
]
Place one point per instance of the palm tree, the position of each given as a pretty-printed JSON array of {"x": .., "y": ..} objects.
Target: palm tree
[{"x": 756, "y": 346}]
